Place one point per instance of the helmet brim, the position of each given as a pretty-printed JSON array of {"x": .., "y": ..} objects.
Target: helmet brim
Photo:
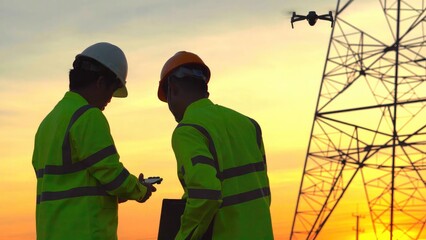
[
  {"x": 121, "y": 92},
  {"x": 160, "y": 93}
]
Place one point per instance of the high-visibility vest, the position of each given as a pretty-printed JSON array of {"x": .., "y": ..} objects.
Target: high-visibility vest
[
  {"x": 221, "y": 164},
  {"x": 79, "y": 175}
]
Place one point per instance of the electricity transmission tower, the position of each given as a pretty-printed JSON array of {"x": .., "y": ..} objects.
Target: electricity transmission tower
[{"x": 370, "y": 121}]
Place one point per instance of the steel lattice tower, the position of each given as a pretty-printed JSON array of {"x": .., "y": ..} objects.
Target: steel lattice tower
[{"x": 370, "y": 120}]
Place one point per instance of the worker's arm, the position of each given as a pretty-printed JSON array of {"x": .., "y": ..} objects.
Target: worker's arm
[
  {"x": 94, "y": 144},
  {"x": 261, "y": 146},
  {"x": 197, "y": 173}
]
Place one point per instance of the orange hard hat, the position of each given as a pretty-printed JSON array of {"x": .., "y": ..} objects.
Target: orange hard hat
[{"x": 180, "y": 59}]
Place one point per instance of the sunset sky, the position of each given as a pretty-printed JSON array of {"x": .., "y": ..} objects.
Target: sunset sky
[{"x": 260, "y": 67}]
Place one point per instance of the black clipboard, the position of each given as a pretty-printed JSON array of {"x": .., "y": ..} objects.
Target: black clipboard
[{"x": 171, "y": 211}]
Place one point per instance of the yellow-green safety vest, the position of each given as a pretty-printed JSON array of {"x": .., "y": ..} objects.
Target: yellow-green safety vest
[
  {"x": 79, "y": 175},
  {"x": 221, "y": 164}
]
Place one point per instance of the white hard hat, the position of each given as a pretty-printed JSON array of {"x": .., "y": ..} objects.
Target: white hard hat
[{"x": 111, "y": 57}]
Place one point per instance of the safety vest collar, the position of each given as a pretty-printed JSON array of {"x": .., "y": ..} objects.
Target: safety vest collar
[
  {"x": 197, "y": 104},
  {"x": 75, "y": 97}
]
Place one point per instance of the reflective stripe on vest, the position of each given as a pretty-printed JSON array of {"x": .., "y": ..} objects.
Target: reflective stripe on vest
[
  {"x": 66, "y": 146},
  {"x": 227, "y": 173},
  {"x": 246, "y": 196},
  {"x": 84, "y": 191},
  {"x": 69, "y": 167},
  {"x": 204, "y": 194},
  {"x": 78, "y": 166},
  {"x": 74, "y": 192}
]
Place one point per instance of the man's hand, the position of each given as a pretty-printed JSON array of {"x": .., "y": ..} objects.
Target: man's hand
[{"x": 149, "y": 191}]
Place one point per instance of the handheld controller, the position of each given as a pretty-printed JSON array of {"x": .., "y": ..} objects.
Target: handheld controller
[{"x": 153, "y": 180}]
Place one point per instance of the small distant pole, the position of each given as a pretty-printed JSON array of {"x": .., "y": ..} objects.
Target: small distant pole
[{"x": 357, "y": 229}]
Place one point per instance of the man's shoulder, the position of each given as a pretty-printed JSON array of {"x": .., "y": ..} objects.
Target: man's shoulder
[
  {"x": 90, "y": 113},
  {"x": 73, "y": 108},
  {"x": 214, "y": 114},
  {"x": 233, "y": 115}
]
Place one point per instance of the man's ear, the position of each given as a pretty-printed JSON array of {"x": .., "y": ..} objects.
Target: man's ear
[{"x": 100, "y": 82}]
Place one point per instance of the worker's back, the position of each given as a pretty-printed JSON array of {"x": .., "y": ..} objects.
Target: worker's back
[
  {"x": 70, "y": 204},
  {"x": 237, "y": 144}
]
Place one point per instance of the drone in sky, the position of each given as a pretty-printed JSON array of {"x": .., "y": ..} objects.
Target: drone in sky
[{"x": 312, "y": 18}]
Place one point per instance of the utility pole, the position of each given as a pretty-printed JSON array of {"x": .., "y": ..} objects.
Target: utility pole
[{"x": 357, "y": 228}]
